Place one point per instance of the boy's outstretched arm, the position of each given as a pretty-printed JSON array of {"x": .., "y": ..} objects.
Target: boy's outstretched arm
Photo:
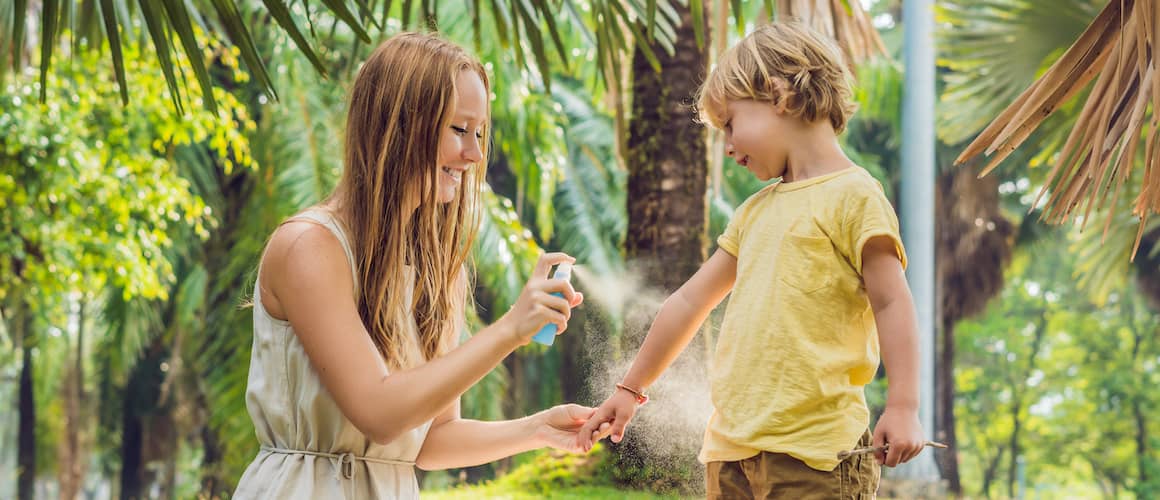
[
  {"x": 897, "y": 323},
  {"x": 674, "y": 326}
]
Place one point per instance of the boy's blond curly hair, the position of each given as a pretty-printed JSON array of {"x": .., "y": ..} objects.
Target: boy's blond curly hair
[{"x": 783, "y": 61}]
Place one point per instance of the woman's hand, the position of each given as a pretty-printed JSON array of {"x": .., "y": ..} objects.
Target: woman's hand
[
  {"x": 536, "y": 306},
  {"x": 613, "y": 416},
  {"x": 556, "y": 427}
]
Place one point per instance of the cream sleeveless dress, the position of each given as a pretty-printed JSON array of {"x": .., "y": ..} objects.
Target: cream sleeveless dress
[{"x": 309, "y": 449}]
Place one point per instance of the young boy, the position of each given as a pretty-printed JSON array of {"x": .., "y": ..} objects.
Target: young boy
[{"x": 815, "y": 266}]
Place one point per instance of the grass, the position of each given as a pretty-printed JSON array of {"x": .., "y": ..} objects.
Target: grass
[
  {"x": 506, "y": 492},
  {"x": 550, "y": 474}
]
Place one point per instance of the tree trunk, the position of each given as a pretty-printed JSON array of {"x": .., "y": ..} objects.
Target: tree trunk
[
  {"x": 1147, "y": 267},
  {"x": 132, "y": 467},
  {"x": 1012, "y": 469},
  {"x": 1141, "y": 442},
  {"x": 141, "y": 417},
  {"x": 991, "y": 472},
  {"x": 74, "y": 454},
  {"x": 667, "y": 164},
  {"x": 667, "y": 184},
  {"x": 948, "y": 459},
  {"x": 26, "y": 455},
  {"x": 212, "y": 455}
]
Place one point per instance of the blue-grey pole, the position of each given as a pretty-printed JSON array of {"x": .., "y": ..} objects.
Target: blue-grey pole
[{"x": 917, "y": 207}]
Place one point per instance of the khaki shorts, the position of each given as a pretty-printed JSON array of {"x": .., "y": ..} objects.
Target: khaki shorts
[{"x": 777, "y": 475}]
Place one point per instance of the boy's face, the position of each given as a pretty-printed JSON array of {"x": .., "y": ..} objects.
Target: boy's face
[{"x": 754, "y": 133}]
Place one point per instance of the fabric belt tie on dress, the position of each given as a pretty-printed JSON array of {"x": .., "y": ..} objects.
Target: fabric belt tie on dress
[{"x": 344, "y": 461}]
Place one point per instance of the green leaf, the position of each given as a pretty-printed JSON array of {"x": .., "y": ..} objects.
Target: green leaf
[
  {"x": 531, "y": 27},
  {"x": 578, "y": 23},
  {"x": 516, "y": 35},
  {"x": 85, "y": 28},
  {"x": 651, "y": 14},
  {"x": 179, "y": 16},
  {"x": 340, "y": 9},
  {"x": 111, "y": 30},
  {"x": 279, "y": 11},
  {"x": 239, "y": 35},
  {"x": 19, "y": 11},
  {"x": 641, "y": 45},
  {"x": 739, "y": 16},
  {"x": 386, "y": 13},
  {"x": 406, "y": 13},
  {"x": 476, "y": 26},
  {"x": 161, "y": 45},
  {"x": 697, "y": 8},
  {"x": 48, "y": 22},
  {"x": 550, "y": 19},
  {"x": 365, "y": 14},
  {"x": 502, "y": 22}
]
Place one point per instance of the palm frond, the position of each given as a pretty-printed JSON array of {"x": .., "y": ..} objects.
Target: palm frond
[
  {"x": 1104, "y": 256},
  {"x": 531, "y": 29},
  {"x": 117, "y": 21},
  {"x": 994, "y": 50},
  {"x": 1104, "y": 264},
  {"x": 846, "y": 22},
  {"x": 1116, "y": 51}
]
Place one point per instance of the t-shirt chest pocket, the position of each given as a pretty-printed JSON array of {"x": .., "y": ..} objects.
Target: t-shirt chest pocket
[{"x": 803, "y": 262}]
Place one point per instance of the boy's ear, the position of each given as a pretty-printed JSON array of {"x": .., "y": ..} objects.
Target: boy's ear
[
  {"x": 781, "y": 95},
  {"x": 779, "y": 106}
]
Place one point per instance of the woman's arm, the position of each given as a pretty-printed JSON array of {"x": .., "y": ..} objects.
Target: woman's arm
[
  {"x": 307, "y": 272},
  {"x": 455, "y": 442}
]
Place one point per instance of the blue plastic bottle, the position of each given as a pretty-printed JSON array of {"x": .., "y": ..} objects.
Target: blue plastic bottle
[{"x": 547, "y": 334}]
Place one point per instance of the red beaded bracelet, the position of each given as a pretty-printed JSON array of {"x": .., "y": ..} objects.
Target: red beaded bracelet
[{"x": 641, "y": 398}]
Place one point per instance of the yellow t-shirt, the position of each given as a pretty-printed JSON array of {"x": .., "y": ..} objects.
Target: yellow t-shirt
[{"x": 798, "y": 341}]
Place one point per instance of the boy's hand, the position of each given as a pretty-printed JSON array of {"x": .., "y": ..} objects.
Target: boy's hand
[
  {"x": 557, "y": 426},
  {"x": 618, "y": 410},
  {"x": 901, "y": 430}
]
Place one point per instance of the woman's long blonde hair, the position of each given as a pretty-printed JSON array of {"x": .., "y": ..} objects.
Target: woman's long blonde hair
[{"x": 400, "y": 104}]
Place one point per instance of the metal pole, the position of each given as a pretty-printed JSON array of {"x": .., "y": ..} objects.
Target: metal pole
[{"x": 917, "y": 200}]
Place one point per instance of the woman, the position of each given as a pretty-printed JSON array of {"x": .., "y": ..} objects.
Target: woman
[{"x": 355, "y": 376}]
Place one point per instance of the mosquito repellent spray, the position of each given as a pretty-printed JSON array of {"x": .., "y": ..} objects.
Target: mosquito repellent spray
[{"x": 547, "y": 334}]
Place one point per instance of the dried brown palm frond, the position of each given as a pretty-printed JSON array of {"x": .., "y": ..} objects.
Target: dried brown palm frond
[
  {"x": 1097, "y": 159},
  {"x": 842, "y": 20}
]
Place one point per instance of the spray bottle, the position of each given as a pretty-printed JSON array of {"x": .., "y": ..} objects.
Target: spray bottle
[{"x": 547, "y": 334}]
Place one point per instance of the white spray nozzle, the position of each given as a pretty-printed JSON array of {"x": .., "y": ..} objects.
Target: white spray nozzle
[{"x": 563, "y": 271}]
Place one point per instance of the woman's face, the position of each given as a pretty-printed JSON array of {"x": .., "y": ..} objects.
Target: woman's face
[{"x": 459, "y": 143}]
